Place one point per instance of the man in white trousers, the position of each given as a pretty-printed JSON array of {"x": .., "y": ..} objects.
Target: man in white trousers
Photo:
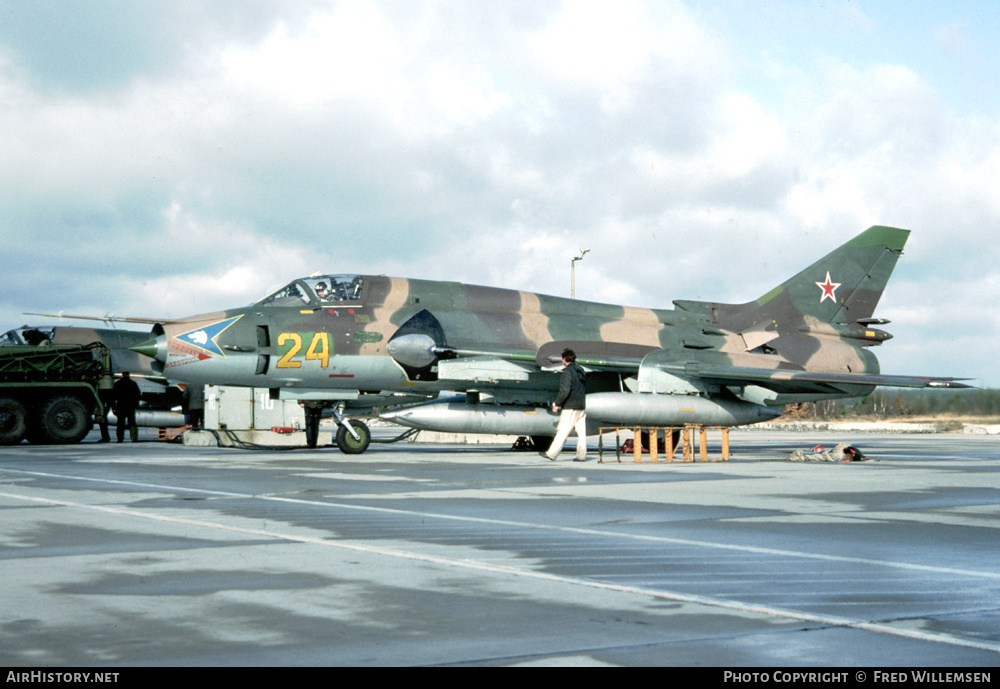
[{"x": 571, "y": 405}]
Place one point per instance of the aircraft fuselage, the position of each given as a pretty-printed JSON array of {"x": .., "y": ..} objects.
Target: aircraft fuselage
[{"x": 495, "y": 336}]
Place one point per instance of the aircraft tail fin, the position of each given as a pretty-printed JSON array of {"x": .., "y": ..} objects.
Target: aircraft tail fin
[{"x": 843, "y": 287}]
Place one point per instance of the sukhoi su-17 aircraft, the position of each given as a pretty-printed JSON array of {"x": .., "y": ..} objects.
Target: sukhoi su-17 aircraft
[{"x": 362, "y": 341}]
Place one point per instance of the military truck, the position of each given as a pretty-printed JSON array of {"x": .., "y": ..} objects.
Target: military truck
[{"x": 49, "y": 394}]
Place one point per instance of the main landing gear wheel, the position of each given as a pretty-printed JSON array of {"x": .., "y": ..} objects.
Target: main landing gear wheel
[{"x": 350, "y": 445}]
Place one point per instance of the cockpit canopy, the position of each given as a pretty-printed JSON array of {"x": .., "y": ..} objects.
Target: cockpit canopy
[
  {"x": 322, "y": 290},
  {"x": 26, "y": 335}
]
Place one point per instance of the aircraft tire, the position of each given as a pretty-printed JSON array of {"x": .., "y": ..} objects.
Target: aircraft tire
[
  {"x": 13, "y": 421},
  {"x": 64, "y": 420},
  {"x": 346, "y": 442}
]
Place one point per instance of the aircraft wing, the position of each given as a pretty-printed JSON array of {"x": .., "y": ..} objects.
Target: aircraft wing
[
  {"x": 788, "y": 380},
  {"x": 109, "y": 318},
  {"x": 533, "y": 371},
  {"x": 625, "y": 357},
  {"x": 612, "y": 356},
  {"x": 497, "y": 367}
]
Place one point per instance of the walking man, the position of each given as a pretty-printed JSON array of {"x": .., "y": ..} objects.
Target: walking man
[{"x": 570, "y": 404}]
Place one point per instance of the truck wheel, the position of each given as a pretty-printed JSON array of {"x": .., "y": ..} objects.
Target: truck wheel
[
  {"x": 64, "y": 420},
  {"x": 13, "y": 421},
  {"x": 346, "y": 442}
]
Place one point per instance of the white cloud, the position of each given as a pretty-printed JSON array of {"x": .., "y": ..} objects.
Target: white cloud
[
  {"x": 953, "y": 37},
  {"x": 487, "y": 143},
  {"x": 348, "y": 52},
  {"x": 251, "y": 266}
]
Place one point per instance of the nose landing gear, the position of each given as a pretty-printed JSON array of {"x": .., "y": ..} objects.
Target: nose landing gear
[{"x": 353, "y": 437}]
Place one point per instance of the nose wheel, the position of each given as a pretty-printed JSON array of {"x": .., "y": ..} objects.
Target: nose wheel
[
  {"x": 356, "y": 443},
  {"x": 353, "y": 437}
]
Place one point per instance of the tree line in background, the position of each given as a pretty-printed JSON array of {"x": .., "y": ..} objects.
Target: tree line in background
[{"x": 887, "y": 403}]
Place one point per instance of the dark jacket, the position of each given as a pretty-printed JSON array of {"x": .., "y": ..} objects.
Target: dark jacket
[
  {"x": 126, "y": 394},
  {"x": 572, "y": 388}
]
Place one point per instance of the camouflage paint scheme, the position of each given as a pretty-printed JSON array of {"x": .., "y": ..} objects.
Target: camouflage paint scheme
[{"x": 373, "y": 337}]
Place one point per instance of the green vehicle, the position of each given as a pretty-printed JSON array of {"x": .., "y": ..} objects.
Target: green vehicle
[{"x": 49, "y": 394}]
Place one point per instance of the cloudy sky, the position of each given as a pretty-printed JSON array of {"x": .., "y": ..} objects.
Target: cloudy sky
[{"x": 169, "y": 157}]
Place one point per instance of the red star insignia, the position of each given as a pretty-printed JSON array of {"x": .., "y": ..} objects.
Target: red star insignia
[{"x": 828, "y": 288}]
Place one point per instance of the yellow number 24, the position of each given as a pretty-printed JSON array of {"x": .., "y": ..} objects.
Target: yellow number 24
[{"x": 319, "y": 349}]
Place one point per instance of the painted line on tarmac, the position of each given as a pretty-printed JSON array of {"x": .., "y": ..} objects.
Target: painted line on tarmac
[
  {"x": 756, "y": 550},
  {"x": 768, "y": 611}
]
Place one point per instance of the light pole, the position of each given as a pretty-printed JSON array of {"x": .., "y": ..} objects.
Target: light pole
[{"x": 572, "y": 273}]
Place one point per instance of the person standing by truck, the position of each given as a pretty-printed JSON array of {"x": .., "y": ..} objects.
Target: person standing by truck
[
  {"x": 106, "y": 393},
  {"x": 126, "y": 401}
]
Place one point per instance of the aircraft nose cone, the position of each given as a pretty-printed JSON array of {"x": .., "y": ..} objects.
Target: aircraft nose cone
[{"x": 154, "y": 349}]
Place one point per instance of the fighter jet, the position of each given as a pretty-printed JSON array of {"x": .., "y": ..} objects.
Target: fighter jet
[{"x": 356, "y": 341}]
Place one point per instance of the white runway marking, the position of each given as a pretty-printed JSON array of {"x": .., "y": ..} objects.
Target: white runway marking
[
  {"x": 545, "y": 527},
  {"x": 469, "y": 564}
]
